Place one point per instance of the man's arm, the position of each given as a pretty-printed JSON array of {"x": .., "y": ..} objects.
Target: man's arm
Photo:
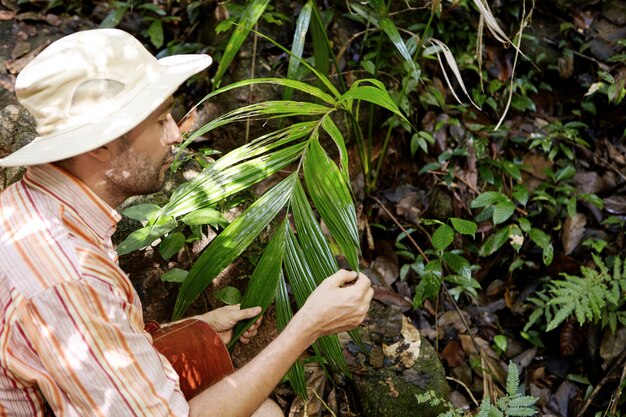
[{"x": 332, "y": 308}]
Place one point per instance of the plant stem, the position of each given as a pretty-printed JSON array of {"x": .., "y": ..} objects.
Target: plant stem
[{"x": 381, "y": 158}]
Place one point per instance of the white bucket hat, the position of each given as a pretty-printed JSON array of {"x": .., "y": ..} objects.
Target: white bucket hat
[{"x": 90, "y": 88}]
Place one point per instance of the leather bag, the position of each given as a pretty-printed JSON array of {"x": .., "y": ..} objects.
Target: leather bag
[{"x": 195, "y": 351}]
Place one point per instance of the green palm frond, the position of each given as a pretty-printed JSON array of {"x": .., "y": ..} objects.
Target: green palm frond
[
  {"x": 250, "y": 17},
  {"x": 229, "y": 244}
]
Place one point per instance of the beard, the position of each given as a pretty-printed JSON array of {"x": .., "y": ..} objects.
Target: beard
[{"x": 134, "y": 173}]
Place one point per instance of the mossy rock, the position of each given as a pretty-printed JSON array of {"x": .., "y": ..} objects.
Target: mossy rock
[{"x": 396, "y": 368}]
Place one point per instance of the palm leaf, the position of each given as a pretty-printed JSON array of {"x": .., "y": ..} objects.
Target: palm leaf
[
  {"x": 222, "y": 178},
  {"x": 266, "y": 109},
  {"x": 314, "y": 245},
  {"x": 210, "y": 189},
  {"x": 263, "y": 284},
  {"x": 288, "y": 83},
  {"x": 332, "y": 198},
  {"x": 283, "y": 316},
  {"x": 303, "y": 284},
  {"x": 390, "y": 29},
  {"x": 249, "y": 18},
  {"x": 229, "y": 244},
  {"x": 310, "y": 236},
  {"x": 323, "y": 78},
  {"x": 297, "y": 46},
  {"x": 331, "y": 128},
  {"x": 373, "y": 95}
]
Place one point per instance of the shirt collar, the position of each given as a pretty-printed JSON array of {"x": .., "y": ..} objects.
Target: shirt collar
[{"x": 76, "y": 196}]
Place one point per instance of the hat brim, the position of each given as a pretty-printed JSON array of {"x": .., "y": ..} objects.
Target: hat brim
[{"x": 156, "y": 89}]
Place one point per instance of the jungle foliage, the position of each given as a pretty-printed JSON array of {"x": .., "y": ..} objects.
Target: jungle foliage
[{"x": 430, "y": 86}]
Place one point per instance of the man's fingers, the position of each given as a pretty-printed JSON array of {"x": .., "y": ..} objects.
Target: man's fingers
[
  {"x": 343, "y": 277},
  {"x": 247, "y": 313}
]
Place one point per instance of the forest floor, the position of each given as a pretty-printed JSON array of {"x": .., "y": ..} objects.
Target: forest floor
[{"x": 573, "y": 370}]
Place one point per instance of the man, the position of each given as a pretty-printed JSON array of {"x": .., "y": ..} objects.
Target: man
[{"x": 72, "y": 332}]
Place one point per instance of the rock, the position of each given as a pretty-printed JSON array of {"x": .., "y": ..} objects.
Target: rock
[
  {"x": 409, "y": 366},
  {"x": 17, "y": 128}
]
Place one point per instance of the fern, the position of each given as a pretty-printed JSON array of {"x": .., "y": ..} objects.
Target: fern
[
  {"x": 596, "y": 296},
  {"x": 513, "y": 404}
]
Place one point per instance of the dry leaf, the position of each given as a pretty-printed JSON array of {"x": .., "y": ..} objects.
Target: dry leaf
[
  {"x": 573, "y": 231},
  {"x": 408, "y": 349},
  {"x": 453, "y": 354}
]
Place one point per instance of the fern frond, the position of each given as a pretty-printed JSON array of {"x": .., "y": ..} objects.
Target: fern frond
[
  {"x": 521, "y": 411},
  {"x": 523, "y": 401},
  {"x": 512, "y": 380}
]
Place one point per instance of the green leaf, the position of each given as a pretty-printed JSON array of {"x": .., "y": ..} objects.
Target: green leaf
[
  {"x": 524, "y": 224},
  {"x": 387, "y": 25},
  {"x": 322, "y": 49},
  {"x": 287, "y": 83},
  {"x": 520, "y": 193},
  {"x": 174, "y": 275},
  {"x": 331, "y": 128},
  {"x": 564, "y": 173},
  {"x": 141, "y": 212},
  {"x": 501, "y": 342},
  {"x": 171, "y": 245},
  {"x": 153, "y": 8},
  {"x": 332, "y": 198},
  {"x": 512, "y": 169},
  {"x": 205, "y": 216},
  {"x": 443, "y": 237},
  {"x": 248, "y": 19},
  {"x": 464, "y": 227},
  {"x": 373, "y": 95},
  {"x": 543, "y": 241},
  {"x": 494, "y": 242},
  {"x": 229, "y": 295},
  {"x": 488, "y": 198},
  {"x": 315, "y": 246},
  {"x": 264, "y": 281},
  {"x": 113, "y": 19},
  {"x": 232, "y": 242},
  {"x": 303, "y": 284},
  {"x": 540, "y": 238},
  {"x": 458, "y": 264},
  {"x": 143, "y": 237},
  {"x": 155, "y": 32},
  {"x": 220, "y": 180},
  {"x": 283, "y": 316},
  {"x": 516, "y": 236},
  {"x": 431, "y": 280},
  {"x": 297, "y": 45},
  {"x": 369, "y": 67},
  {"x": 502, "y": 211}
]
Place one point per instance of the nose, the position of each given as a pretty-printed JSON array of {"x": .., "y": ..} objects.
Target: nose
[{"x": 173, "y": 132}]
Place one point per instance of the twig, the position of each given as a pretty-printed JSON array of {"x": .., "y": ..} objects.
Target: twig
[
  {"x": 618, "y": 393},
  {"x": 382, "y": 206},
  {"x": 323, "y": 402},
  {"x": 458, "y": 381},
  {"x": 619, "y": 362}
]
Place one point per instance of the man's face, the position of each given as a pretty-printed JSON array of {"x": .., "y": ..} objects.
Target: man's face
[{"x": 142, "y": 156}]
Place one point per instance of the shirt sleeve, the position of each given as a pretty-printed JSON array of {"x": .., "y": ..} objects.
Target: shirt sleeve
[{"x": 99, "y": 360}]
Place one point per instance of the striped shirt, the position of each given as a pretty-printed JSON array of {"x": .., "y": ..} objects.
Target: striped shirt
[{"x": 71, "y": 329}]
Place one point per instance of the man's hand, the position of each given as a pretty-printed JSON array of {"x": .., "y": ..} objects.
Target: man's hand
[
  {"x": 224, "y": 319},
  {"x": 339, "y": 303}
]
